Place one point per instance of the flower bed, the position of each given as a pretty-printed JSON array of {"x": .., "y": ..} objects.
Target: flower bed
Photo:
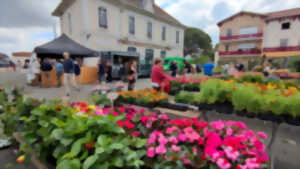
[
  {"x": 86, "y": 136},
  {"x": 145, "y": 97},
  {"x": 267, "y": 102}
]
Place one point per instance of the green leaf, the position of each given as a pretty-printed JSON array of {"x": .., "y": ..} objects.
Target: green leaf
[
  {"x": 57, "y": 122},
  {"x": 116, "y": 146},
  {"x": 68, "y": 156},
  {"x": 140, "y": 142},
  {"x": 69, "y": 164},
  {"x": 132, "y": 155},
  {"x": 43, "y": 123},
  {"x": 138, "y": 163},
  {"x": 66, "y": 141},
  {"x": 57, "y": 134},
  {"x": 90, "y": 161},
  {"x": 99, "y": 150},
  {"x": 118, "y": 161},
  {"x": 76, "y": 147}
]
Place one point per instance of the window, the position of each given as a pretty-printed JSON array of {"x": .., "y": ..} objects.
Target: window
[
  {"x": 229, "y": 32},
  {"x": 102, "y": 12},
  {"x": 246, "y": 46},
  {"x": 163, "y": 54},
  {"x": 131, "y": 49},
  {"x": 70, "y": 22},
  {"x": 227, "y": 48},
  {"x": 177, "y": 36},
  {"x": 283, "y": 42},
  {"x": 285, "y": 26},
  {"x": 248, "y": 30},
  {"x": 131, "y": 25},
  {"x": 149, "y": 55},
  {"x": 149, "y": 30},
  {"x": 164, "y": 30}
]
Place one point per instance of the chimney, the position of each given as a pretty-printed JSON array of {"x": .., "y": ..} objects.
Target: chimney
[{"x": 147, "y": 5}]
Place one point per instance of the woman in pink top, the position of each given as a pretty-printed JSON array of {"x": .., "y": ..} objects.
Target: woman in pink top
[{"x": 159, "y": 79}]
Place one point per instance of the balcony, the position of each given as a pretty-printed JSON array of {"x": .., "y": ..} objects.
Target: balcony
[
  {"x": 283, "y": 49},
  {"x": 252, "y": 52},
  {"x": 247, "y": 37}
]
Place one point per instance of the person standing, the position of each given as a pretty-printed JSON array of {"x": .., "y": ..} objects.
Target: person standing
[
  {"x": 199, "y": 68},
  {"x": 108, "y": 72},
  {"x": 188, "y": 67},
  {"x": 131, "y": 76},
  {"x": 208, "y": 68},
  {"x": 173, "y": 68},
  {"x": 101, "y": 71},
  {"x": 69, "y": 78},
  {"x": 46, "y": 67},
  {"x": 59, "y": 71},
  {"x": 77, "y": 72}
]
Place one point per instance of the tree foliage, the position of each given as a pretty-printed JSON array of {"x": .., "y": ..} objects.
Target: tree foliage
[{"x": 196, "y": 38}]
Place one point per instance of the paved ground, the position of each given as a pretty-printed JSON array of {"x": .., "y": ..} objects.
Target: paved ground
[
  {"x": 19, "y": 79},
  {"x": 286, "y": 147}
]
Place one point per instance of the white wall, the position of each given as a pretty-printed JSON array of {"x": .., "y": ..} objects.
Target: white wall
[
  {"x": 273, "y": 33},
  {"x": 85, "y": 21}
]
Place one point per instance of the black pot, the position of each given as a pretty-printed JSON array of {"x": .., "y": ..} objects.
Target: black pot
[
  {"x": 225, "y": 108},
  {"x": 293, "y": 121},
  {"x": 264, "y": 116},
  {"x": 241, "y": 113},
  {"x": 250, "y": 115}
]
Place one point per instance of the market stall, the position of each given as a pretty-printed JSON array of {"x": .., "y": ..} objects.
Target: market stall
[{"x": 55, "y": 50}]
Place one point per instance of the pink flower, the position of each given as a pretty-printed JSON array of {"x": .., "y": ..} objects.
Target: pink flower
[
  {"x": 115, "y": 114},
  {"x": 191, "y": 134},
  {"x": 229, "y": 131},
  {"x": 170, "y": 130},
  {"x": 122, "y": 109},
  {"x": 217, "y": 125},
  {"x": 163, "y": 117},
  {"x": 262, "y": 135},
  {"x": 195, "y": 150},
  {"x": 214, "y": 140},
  {"x": 175, "y": 148},
  {"x": 106, "y": 111},
  {"x": 142, "y": 110},
  {"x": 152, "y": 138},
  {"x": 160, "y": 150},
  {"x": 251, "y": 163},
  {"x": 216, "y": 155},
  {"x": 231, "y": 153},
  {"x": 223, "y": 163},
  {"x": 173, "y": 140},
  {"x": 151, "y": 152},
  {"x": 181, "y": 137},
  {"x": 162, "y": 140},
  {"x": 144, "y": 119}
]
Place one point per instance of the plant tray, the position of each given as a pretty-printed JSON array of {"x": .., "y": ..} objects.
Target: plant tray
[{"x": 188, "y": 114}]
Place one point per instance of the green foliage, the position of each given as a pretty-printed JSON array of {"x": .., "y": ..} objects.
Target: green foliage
[
  {"x": 202, "y": 60},
  {"x": 185, "y": 97},
  {"x": 195, "y": 38},
  {"x": 294, "y": 63},
  {"x": 219, "y": 70},
  {"x": 251, "y": 79},
  {"x": 100, "y": 99}
]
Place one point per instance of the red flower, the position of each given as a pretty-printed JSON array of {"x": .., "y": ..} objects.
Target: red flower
[
  {"x": 136, "y": 134},
  {"x": 90, "y": 145},
  {"x": 144, "y": 119},
  {"x": 120, "y": 123},
  {"x": 128, "y": 124}
]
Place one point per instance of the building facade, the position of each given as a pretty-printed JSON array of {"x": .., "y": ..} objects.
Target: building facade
[
  {"x": 246, "y": 35},
  {"x": 122, "y": 25}
]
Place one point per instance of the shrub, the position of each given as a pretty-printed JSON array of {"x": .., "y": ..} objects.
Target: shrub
[
  {"x": 294, "y": 63},
  {"x": 185, "y": 97}
]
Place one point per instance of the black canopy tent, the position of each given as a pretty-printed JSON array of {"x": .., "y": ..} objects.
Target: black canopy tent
[{"x": 58, "y": 46}]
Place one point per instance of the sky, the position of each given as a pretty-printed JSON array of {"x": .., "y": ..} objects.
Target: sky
[{"x": 25, "y": 24}]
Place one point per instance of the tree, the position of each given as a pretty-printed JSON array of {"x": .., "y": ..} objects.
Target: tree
[{"x": 194, "y": 39}]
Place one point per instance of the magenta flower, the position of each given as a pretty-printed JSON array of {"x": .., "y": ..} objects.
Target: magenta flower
[
  {"x": 262, "y": 135},
  {"x": 151, "y": 152},
  {"x": 229, "y": 132},
  {"x": 163, "y": 117},
  {"x": 175, "y": 148},
  {"x": 231, "y": 153},
  {"x": 173, "y": 140},
  {"x": 223, "y": 163},
  {"x": 170, "y": 130},
  {"x": 162, "y": 140},
  {"x": 115, "y": 114},
  {"x": 181, "y": 137},
  {"x": 160, "y": 150},
  {"x": 217, "y": 125},
  {"x": 214, "y": 140}
]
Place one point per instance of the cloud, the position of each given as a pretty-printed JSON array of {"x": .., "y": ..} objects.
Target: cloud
[{"x": 206, "y": 14}]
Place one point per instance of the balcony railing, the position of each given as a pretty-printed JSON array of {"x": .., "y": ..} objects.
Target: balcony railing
[
  {"x": 242, "y": 37},
  {"x": 282, "y": 49},
  {"x": 241, "y": 53}
]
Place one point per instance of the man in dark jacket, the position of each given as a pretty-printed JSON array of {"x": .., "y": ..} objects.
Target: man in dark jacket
[
  {"x": 69, "y": 78},
  {"x": 173, "y": 68}
]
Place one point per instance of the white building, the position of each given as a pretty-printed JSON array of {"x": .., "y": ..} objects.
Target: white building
[{"x": 122, "y": 25}]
